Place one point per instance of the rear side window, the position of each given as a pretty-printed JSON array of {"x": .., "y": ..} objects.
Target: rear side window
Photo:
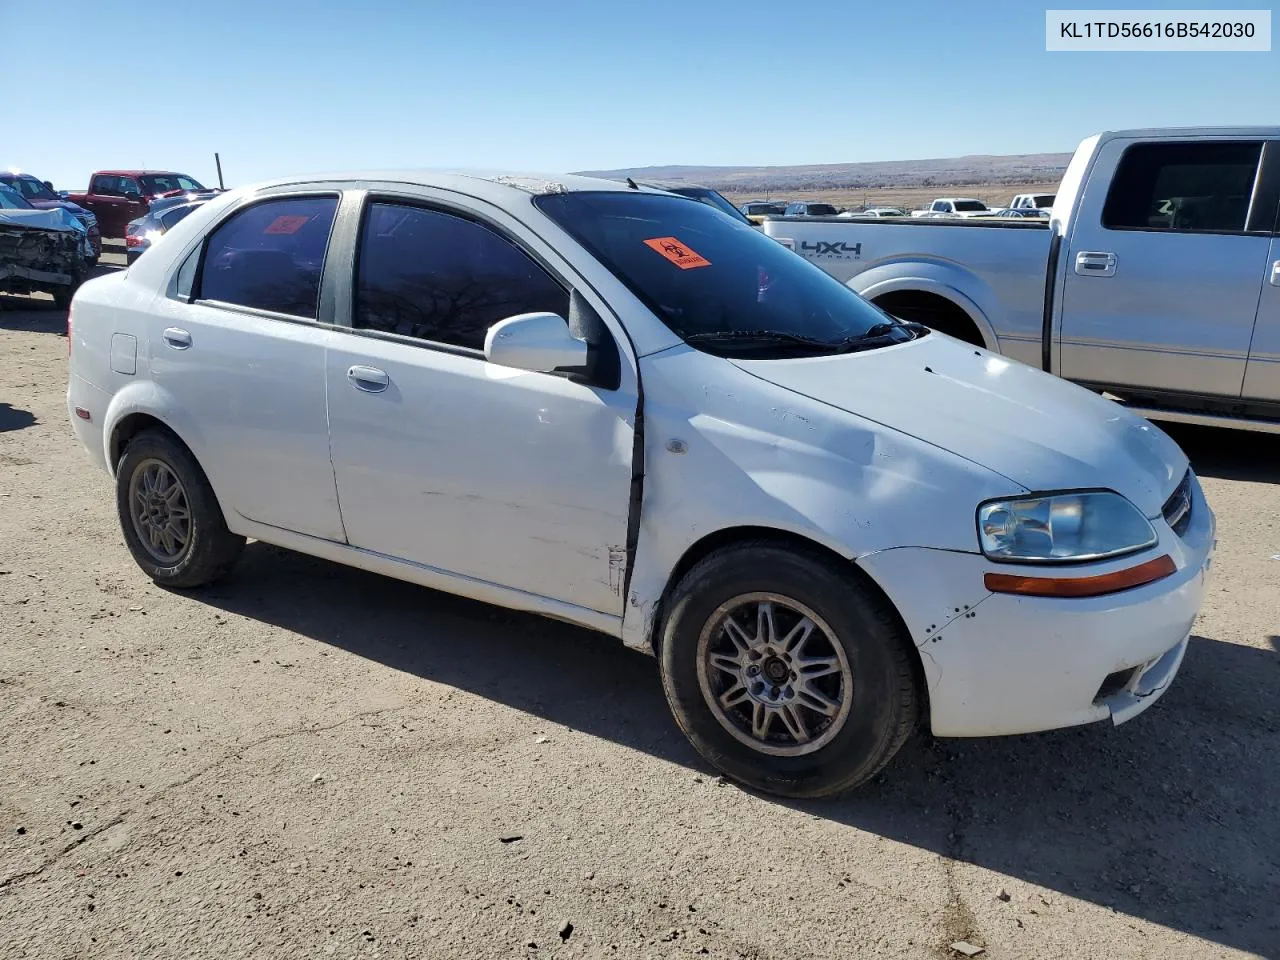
[
  {"x": 821, "y": 210},
  {"x": 1187, "y": 187},
  {"x": 270, "y": 256},
  {"x": 106, "y": 186},
  {"x": 170, "y": 218},
  {"x": 427, "y": 274}
]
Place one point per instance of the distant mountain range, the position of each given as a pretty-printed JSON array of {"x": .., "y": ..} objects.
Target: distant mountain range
[{"x": 1018, "y": 168}]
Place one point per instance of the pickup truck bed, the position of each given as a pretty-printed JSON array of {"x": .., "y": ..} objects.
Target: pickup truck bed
[{"x": 1156, "y": 279}]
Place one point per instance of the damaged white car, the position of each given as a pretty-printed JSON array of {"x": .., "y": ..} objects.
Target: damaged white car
[{"x": 624, "y": 409}]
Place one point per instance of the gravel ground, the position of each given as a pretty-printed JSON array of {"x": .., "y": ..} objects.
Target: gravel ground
[{"x": 310, "y": 761}]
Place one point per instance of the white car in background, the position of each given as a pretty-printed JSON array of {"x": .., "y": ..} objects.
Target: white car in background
[
  {"x": 619, "y": 408},
  {"x": 875, "y": 212},
  {"x": 1032, "y": 201},
  {"x": 954, "y": 207}
]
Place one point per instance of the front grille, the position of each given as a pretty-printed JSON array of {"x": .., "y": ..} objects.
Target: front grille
[{"x": 1177, "y": 509}]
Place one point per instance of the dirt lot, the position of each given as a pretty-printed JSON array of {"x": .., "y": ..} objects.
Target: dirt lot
[{"x": 309, "y": 761}]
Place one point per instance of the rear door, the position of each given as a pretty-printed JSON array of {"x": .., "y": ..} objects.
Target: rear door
[
  {"x": 1164, "y": 268},
  {"x": 241, "y": 349},
  {"x": 106, "y": 199}
]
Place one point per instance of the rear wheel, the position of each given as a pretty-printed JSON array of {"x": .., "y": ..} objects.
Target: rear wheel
[
  {"x": 786, "y": 672},
  {"x": 169, "y": 516}
]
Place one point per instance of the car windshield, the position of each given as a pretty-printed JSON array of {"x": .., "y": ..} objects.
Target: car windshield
[
  {"x": 717, "y": 282},
  {"x": 713, "y": 199},
  {"x": 11, "y": 199},
  {"x": 31, "y": 188},
  {"x": 970, "y": 206},
  {"x": 168, "y": 182}
]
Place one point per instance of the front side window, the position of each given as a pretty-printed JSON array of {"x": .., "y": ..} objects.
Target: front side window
[
  {"x": 169, "y": 182},
  {"x": 715, "y": 282},
  {"x": 128, "y": 185},
  {"x": 1189, "y": 187},
  {"x": 941, "y": 206},
  {"x": 270, "y": 256},
  {"x": 435, "y": 276}
]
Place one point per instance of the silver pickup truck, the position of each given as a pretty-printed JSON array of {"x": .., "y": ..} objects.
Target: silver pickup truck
[{"x": 1156, "y": 280}]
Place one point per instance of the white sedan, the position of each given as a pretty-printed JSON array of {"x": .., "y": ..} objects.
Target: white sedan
[{"x": 620, "y": 408}]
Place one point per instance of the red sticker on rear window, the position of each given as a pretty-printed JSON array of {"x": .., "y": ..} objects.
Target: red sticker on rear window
[
  {"x": 678, "y": 253},
  {"x": 286, "y": 224}
]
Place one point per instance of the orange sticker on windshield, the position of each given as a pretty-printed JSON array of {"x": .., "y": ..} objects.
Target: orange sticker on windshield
[
  {"x": 677, "y": 252},
  {"x": 286, "y": 224}
]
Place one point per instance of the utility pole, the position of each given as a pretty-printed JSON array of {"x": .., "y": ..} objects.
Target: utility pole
[{"x": 218, "y": 161}]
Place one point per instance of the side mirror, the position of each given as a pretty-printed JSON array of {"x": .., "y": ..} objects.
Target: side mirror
[
  {"x": 539, "y": 342},
  {"x": 133, "y": 195}
]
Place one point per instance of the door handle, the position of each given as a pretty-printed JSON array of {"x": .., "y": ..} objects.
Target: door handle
[
  {"x": 368, "y": 379},
  {"x": 1094, "y": 264},
  {"x": 1275, "y": 274},
  {"x": 177, "y": 338}
]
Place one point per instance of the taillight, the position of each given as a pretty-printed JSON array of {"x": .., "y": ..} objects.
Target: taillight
[{"x": 133, "y": 240}]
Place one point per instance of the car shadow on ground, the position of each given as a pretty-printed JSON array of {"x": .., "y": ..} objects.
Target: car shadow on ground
[
  {"x": 1168, "y": 818},
  {"x": 15, "y": 418},
  {"x": 1228, "y": 454},
  {"x": 39, "y": 313}
]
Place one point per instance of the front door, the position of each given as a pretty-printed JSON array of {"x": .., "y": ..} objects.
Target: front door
[
  {"x": 515, "y": 478},
  {"x": 1164, "y": 268},
  {"x": 245, "y": 359},
  {"x": 1262, "y": 376}
]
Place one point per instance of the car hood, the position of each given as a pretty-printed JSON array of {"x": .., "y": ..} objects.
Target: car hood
[
  {"x": 58, "y": 205},
  {"x": 1035, "y": 429}
]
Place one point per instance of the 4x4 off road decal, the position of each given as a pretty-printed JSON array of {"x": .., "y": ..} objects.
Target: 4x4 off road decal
[
  {"x": 677, "y": 252},
  {"x": 839, "y": 249}
]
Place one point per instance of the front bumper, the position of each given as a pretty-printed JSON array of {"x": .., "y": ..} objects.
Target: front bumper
[{"x": 1003, "y": 664}]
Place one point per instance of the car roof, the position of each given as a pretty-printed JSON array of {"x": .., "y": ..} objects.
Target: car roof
[
  {"x": 484, "y": 185},
  {"x": 139, "y": 173}
]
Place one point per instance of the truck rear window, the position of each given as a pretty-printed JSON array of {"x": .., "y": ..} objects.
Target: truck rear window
[{"x": 702, "y": 273}]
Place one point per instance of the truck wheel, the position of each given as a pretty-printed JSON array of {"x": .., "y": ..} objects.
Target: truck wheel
[
  {"x": 785, "y": 671},
  {"x": 170, "y": 518}
]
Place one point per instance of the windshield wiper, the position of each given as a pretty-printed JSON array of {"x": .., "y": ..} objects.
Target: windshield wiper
[
  {"x": 880, "y": 333},
  {"x": 763, "y": 337}
]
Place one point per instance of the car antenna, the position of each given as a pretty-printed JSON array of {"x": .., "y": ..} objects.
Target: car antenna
[{"x": 632, "y": 184}]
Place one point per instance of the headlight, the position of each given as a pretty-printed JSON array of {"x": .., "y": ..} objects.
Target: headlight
[{"x": 1062, "y": 528}]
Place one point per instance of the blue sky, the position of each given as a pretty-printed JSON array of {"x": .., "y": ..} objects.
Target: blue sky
[{"x": 281, "y": 88}]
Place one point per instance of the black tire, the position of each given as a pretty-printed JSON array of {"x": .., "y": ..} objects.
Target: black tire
[
  {"x": 210, "y": 550},
  {"x": 884, "y": 704}
]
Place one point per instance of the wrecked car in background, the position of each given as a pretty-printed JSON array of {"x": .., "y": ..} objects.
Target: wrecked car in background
[
  {"x": 41, "y": 251},
  {"x": 40, "y": 194}
]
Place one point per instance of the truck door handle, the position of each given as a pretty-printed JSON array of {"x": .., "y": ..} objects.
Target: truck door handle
[
  {"x": 368, "y": 379},
  {"x": 1094, "y": 264},
  {"x": 177, "y": 338},
  {"x": 1275, "y": 274}
]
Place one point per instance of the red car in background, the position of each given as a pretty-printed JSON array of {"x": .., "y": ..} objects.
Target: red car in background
[{"x": 117, "y": 197}]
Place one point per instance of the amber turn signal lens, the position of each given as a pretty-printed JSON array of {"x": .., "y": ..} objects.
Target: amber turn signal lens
[{"x": 1097, "y": 586}]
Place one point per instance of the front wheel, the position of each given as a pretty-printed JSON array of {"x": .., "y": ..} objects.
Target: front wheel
[
  {"x": 169, "y": 516},
  {"x": 786, "y": 671}
]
